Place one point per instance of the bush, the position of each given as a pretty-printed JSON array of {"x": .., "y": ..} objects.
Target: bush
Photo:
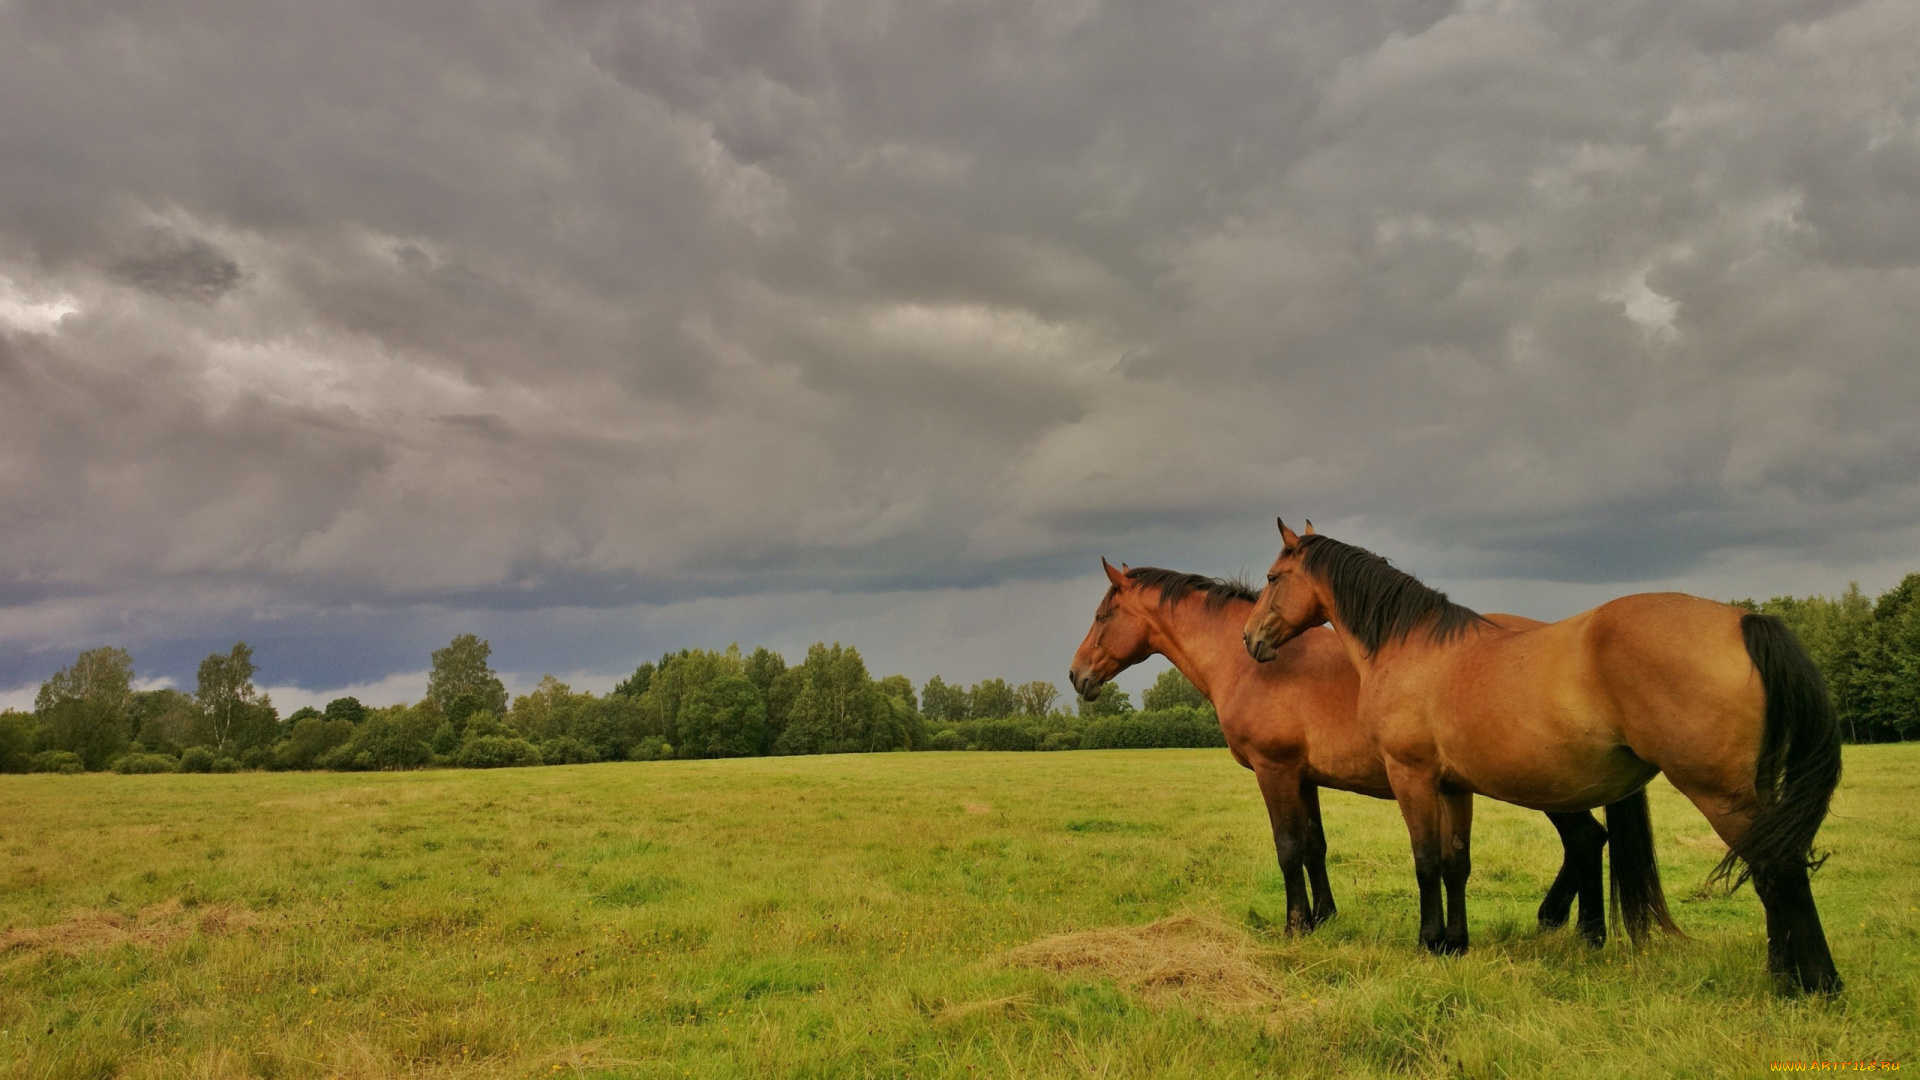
[
  {"x": 223, "y": 763},
  {"x": 567, "y": 750},
  {"x": 1003, "y": 735},
  {"x": 144, "y": 763},
  {"x": 495, "y": 752},
  {"x": 196, "y": 759},
  {"x": 57, "y": 761},
  {"x": 396, "y": 737},
  {"x": 310, "y": 740},
  {"x": 1154, "y": 730},
  {"x": 651, "y": 748},
  {"x": 1061, "y": 740},
  {"x": 946, "y": 739}
]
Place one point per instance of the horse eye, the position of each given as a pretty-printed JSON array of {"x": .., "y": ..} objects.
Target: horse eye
[{"x": 1271, "y": 578}]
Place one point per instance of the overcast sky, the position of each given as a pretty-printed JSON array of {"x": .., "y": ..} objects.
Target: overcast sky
[{"x": 606, "y": 328}]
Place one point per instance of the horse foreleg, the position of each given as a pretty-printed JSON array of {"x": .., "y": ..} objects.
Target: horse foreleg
[
  {"x": 1418, "y": 796},
  {"x": 1581, "y": 839},
  {"x": 1281, "y": 787},
  {"x": 1456, "y": 862},
  {"x": 1323, "y": 908}
]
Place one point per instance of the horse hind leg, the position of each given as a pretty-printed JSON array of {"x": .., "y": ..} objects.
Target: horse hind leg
[
  {"x": 1798, "y": 957},
  {"x": 1456, "y": 863},
  {"x": 1797, "y": 951},
  {"x": 1581, "y": 839}
]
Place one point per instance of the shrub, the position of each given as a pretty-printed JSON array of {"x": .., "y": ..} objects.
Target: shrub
[
  {"x": 946, "y": 739},
  {"x": 567, "y": 750},
  {"x": 651, "y": 748},
  {"x": 1061, "y": 740},
  {"x": 196, "y": 759},
  {"x": 57, "y": 761},
  {"x": 1003, "y": 735},
  {"x": 495, "y": 752},
  {"x": 310, "y": 740},
  {"x": 144, "y": 763},
  {"x": 1154, "y": 730},
  {"x": 391, "y": 738},
  {"x": 223, "y": 763}
]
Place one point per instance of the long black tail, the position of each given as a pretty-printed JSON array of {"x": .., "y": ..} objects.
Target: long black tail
[
  {"x": 1799, "y": 756},
  {"x": 1638, "y": 900}
]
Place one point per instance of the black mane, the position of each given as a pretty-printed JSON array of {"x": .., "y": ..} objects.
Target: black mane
[
  {"x": 1175, "y": 586},
  {"x": 1377, "y": 603}
]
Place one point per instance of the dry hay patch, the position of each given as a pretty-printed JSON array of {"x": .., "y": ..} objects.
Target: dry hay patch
[
  {"x": 1182, "y": 956},
  {"x": 86, "y": 930}
]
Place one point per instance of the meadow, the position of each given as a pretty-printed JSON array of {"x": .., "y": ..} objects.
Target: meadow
[{"x": 1099, "y": 913}]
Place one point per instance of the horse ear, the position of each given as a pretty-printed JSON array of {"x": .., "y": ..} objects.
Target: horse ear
[
  {"x": 1119, "y": 580},
  {"x": 1288, "y": 538},
  {"x": 1309, "y": 531}
]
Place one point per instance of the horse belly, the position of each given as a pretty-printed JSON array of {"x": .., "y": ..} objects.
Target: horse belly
[{"x": 1525, "y": 725}]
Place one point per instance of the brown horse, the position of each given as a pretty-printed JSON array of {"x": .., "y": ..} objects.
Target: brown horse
[
  {"x": 1293, "y": 723},
  {"x": 1578, "y": 714}
]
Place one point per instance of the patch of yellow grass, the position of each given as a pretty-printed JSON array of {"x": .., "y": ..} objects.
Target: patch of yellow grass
[
  {"x": 86, "y": 930},
  {"x": 1183, "y": 956}
]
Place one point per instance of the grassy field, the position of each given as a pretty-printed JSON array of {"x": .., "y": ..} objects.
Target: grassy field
[{"x": 957, "y": 915}]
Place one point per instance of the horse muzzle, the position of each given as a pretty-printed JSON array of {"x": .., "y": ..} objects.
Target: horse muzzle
[{"x": 1261, "y": 643}]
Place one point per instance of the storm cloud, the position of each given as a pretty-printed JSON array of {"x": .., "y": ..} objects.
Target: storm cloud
[{"x": 600, "y": 328}]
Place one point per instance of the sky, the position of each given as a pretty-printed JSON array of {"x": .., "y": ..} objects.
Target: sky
[{"x": 605, "y": 329}]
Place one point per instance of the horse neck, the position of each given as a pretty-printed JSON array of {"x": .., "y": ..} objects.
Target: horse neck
[
  {"x": 1356, "y": 652},
  {"x": 1204, "y": 644}
]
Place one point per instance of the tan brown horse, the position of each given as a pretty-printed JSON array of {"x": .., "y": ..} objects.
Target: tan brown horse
[
  {"x": 1573, "y": 715},
  {"x": 1293, "y": 723}
]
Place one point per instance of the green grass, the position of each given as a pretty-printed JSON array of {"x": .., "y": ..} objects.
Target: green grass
[{"x": 852, "y": 916}]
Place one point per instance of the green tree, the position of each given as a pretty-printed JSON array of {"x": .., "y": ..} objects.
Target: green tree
[
  {"x": 1112, "y": 701},
  {"x": 86, "y": 709},
  {"x": 636, "y": 684},
  {"x": 309, "y": 739},
  {"x": 1886, "y": 683},
  {"x": 942, "y": 703},
  {"x": 900, "y": 688},
  {"x": 346, "y": 708},
  {"x": 1035, "y": 698},
  {"x": 169, "y": 721},
  {"x": 18, "y": 733},
  {"x": 724, "y": 718},
  {"x": 238, "y": 715},
  {"x": 1172, "y": 690},
  {"x": 546, "y": 713},
  {"x": 839, "y": 709},
  {"x": 676, "y": 676},
  {"x": 463, "y": 683},
  {"x": 991, "y": 699}
]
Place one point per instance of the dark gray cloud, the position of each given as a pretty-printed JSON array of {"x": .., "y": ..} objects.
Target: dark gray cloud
[{"x": 340, "y": 324}]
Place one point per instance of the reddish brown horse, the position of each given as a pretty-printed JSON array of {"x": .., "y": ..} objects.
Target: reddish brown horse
[
  {"x": 1293, "y": 723},
  {"x": 1577, "y": 714}
]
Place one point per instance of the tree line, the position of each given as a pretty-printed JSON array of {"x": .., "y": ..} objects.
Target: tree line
[
  {"x": 696, "y": 703},
  {"x": 1869, "y": 652},
  {"x": 701, "y": 703}
]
